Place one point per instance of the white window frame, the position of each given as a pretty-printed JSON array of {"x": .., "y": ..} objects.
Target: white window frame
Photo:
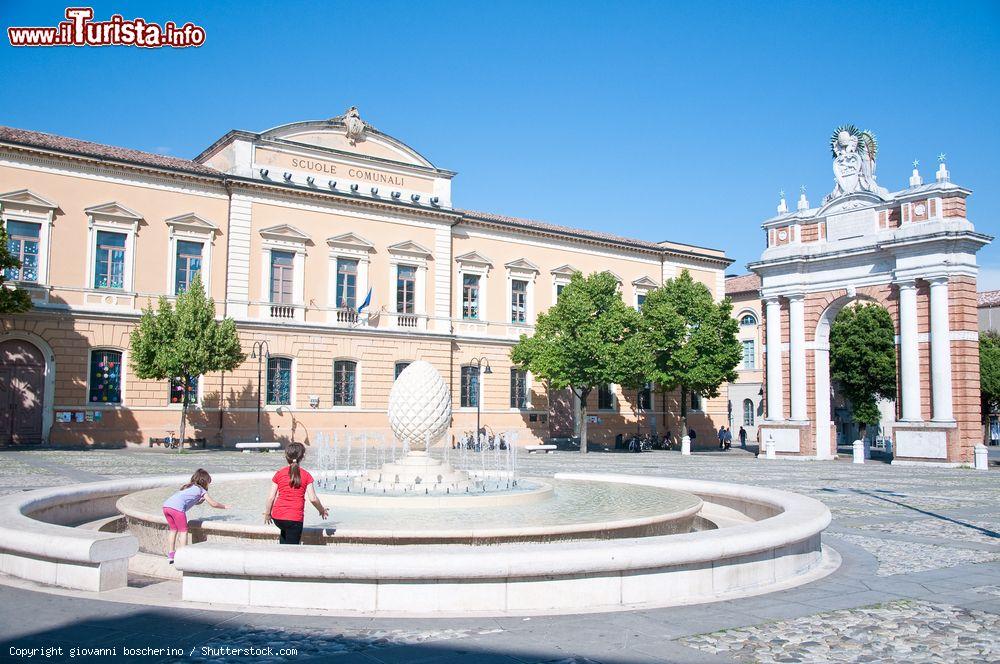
[
  {"x": 357, "y": 382},
  {"x": 350, "y": 247},
  {"x": 190, "y": 228},
  {"x": 753, "y": 354},
  {"x": 124, "y": 374},
  {"x": 561, "y": 276},
  {"x": 288, "y": 239},
  {"x": 113, "y": 218},
  {"x": 292, "y": 392},
  {"x": 29, "y": 207},
  {"x": 414, "y": 255},
  {"x": 473, "y": 264},
  {"x": 521, "y": 270},
  {"x": 641, "y": 286}
]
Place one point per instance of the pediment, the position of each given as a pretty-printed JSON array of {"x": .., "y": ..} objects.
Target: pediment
[
  {"x": 565, "y": 271},
  {"x": 27, "y": 198},
  {"x": 474, "y": 258},
  {"x": 350, "y": 241},
  {"x": 192, "y": 222},
  {"x": 645, "y": 282},
  {"x": 850, "y": 203},
  {"x": 113, "y": 210},
  {"x": 284, "y": 232},
  {"x": 616, "y": 277},
  {"x": 410, "y": 248},
  {"x": 522, "y": 265}
]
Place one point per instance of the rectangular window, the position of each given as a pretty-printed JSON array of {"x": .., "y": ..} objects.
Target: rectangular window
[
  {"x": 518, "y": 301},
  {"x": 559, "y": 290},
  {"x": 109, "y": 263},
  {"x": 605, "y": 398},
  {"x": 399, "y": 369},
  {"x": 347, "y": 284},
  {"x": 518, "y": 388},
  {"x": 639, "y": 299},
  {"x": 105, "y": 376},
  {"x": 177, "y": 390},
  {"x": 22, "y": 243},
  {"x": 646, "y": 398},
  {"x": 470, "y": 387},
  {"x": 749, "y": 356},
  {"x": 406, "y": 287},
  {"x": 279, "y": 381},
  {"x": 282, "y": 275},
  {"x": 188, "y": 264},
  {"x": 695, "y": 401},
  {"x": 344, "y": 373},
  {"x": 470, "y": 296}
]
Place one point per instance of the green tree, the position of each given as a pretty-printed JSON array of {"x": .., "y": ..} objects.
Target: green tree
[
  {"x": 989, "y": 372},
  {"x": 589, "y": 338},
  {"x": 184, "y": 341},
  {"x": 692, "y": 338},
  {"x": 12, "y": 300},
  {"x": 863, "y": 358}
]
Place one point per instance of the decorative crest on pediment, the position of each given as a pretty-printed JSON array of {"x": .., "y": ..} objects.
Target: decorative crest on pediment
[
  {"x": 191, "y": 222},
  {"x": 26, "y": 198},
  {"x": 284, "y": 232},
  {"x": 114, "y": 211},
  {"x": 474, "y": 258},
  {"x": 410, "y": 248},
  {"x": 854, "y": 152},
  {"x": 354, "y": 126},
  {"x": 350, "y": 241},
  {"x": 521, "y": 265}
]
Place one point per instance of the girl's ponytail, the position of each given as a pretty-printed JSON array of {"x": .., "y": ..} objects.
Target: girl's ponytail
[{"x": 293, "y": 455}]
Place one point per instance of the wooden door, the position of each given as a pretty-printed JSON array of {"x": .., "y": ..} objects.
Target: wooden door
[{"x": 22, "y": 385}]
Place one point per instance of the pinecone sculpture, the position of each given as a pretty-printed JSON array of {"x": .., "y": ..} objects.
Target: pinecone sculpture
[{"x": 419, "y": 406}]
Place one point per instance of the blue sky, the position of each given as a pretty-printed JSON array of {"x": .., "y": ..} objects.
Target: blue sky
[{"x": 658, "y": 120}]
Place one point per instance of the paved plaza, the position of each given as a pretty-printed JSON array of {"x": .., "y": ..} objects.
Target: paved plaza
[{"x": 919, "y": 582}]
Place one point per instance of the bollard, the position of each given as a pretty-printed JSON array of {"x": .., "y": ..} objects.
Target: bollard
[
  {"x": 859, "y": 451},
  {"x": 982, "y": 458},
  {"x": 686, "y": 445},
  {"x": 769, "y": 452}
]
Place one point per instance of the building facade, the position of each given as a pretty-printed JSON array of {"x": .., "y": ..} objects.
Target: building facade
[
  {"x": 746, "y": 394},
  {"x": 336, "y": 244},
  {"x": 911, "y": 251}
]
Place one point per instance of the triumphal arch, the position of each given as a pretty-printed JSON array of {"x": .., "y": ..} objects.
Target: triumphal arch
[{"x": 912, "y": 251}]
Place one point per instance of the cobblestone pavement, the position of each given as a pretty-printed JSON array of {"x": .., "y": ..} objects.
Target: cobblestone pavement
[{"x": 920, "y": 580}]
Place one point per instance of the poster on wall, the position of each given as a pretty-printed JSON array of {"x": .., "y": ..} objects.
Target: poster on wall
[
  {"x": 78, "y": 416},
  {"x": 64, "y": 416}
]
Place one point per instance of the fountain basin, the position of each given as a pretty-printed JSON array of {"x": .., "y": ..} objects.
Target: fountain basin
[{"x": 539, "y": 511}]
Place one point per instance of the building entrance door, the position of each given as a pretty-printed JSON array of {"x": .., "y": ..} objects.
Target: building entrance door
[{"x": 22, "y": 385}]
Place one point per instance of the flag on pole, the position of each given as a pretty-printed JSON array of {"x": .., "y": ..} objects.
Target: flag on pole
[{"x": 368, "y": 300}]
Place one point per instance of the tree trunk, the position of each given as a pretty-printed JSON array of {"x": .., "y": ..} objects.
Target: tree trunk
[
  {"x": 184, "y": 408},
  {"x": 684, "y": 412},
  {"x": 583, "y": 419}
]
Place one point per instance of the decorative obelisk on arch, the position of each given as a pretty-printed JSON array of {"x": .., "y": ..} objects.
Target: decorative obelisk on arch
[{"x": 912, "y": 251}]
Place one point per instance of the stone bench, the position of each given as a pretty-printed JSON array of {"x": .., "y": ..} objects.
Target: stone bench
[
  {"x": 259, "y": 447},
  {"x": 540, "y": 449}
]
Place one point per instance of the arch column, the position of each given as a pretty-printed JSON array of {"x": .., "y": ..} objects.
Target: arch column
[
  {"x": 797, "y": 356},
  {"x": 909, "y": 353},
  {"x": 775, "y": 379},
  {"x": 940, "y": 352}
]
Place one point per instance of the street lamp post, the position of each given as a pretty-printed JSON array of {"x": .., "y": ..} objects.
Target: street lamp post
[
  {"x": 479, "y": 363},
  {"x": 261, "y": 351}
]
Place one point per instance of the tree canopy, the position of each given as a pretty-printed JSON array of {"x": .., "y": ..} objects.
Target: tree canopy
[
  {"x": 590, "y": 337},
  {"x": 184, "y": 341},
  {"x": 12, "y": 300},
  {"x": 692, "y": 338},
  {"x": 989, "y": 372},
  {"x": 863, "y": 358}
]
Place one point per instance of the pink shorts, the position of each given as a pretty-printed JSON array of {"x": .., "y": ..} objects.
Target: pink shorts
[{"x": 176, "y": 519}]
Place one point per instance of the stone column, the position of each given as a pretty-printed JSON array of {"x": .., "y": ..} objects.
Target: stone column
[
  {"x": 797, "y": 356},
  {"x": 909, "y": 352},
  {"x": 775, "y": 384},
  {"x": 940, "y": 351}
]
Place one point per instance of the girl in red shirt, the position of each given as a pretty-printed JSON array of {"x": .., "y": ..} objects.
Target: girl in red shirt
[{"x": 287, "y": 501}]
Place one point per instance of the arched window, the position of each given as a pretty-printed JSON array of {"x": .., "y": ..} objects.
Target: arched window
[
  {"x": 748, "y": 320},
  {"x": 279, "y": 381},
  {"x": 399, "y": 368},
  {"x": 469, "y": 397},
  {"x": 344, "y": 383},
  {"x": 748, "y": 412},
  {"x": 695, "y": 401},
  {"x": 105, "y": 378}
]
